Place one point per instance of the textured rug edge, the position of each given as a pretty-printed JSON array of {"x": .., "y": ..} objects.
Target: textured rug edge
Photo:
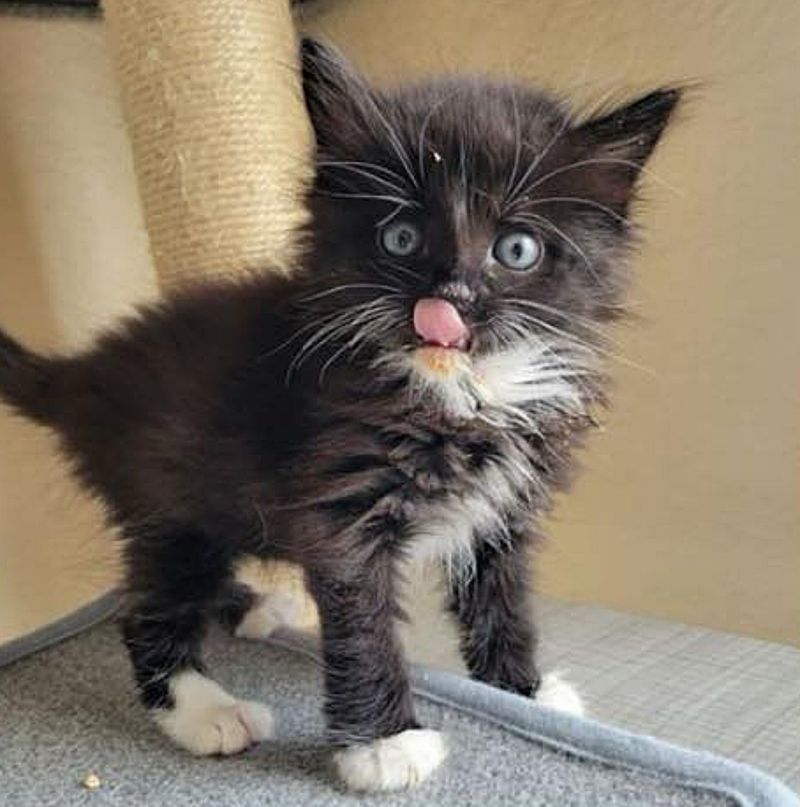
[
  {"x": 592, "y": 740},
  {"x": 582, "y": 737},
  {"x": 87, "y": 616}
]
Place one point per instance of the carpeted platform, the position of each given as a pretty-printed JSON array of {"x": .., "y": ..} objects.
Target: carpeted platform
[{"x": 70, "y": 710}]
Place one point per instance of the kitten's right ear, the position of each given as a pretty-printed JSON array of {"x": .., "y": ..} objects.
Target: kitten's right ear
[
  {"x": 331, "y": 88},
  {"x": 620, "y": 142}
]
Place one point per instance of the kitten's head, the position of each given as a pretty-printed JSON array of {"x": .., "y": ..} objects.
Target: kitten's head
[{"x": 460, "y": 219}]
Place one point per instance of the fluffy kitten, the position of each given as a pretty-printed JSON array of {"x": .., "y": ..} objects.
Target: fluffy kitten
[{"x": 415, "y": 388}]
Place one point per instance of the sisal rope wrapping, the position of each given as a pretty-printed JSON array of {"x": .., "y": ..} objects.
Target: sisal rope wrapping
[
  {"x": 211, "y": 96},
  {"x": 221, "y": 148}
]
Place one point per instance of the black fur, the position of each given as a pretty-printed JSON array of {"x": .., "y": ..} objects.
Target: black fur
[{"x": 261, "y": 417}]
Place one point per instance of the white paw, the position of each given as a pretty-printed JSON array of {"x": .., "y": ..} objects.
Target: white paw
[
  {"x": 272, "y": 611},
  {"x": 555, "y": 693},
  {"x": 391, "y": 763},
  {"x": 207, "y": 720}
]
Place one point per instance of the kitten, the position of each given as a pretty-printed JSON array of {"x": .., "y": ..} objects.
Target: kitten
[{"x": 414, "y": 389}]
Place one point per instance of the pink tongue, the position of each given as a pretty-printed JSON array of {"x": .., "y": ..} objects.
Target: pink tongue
[{"x": 438, "y": 322}]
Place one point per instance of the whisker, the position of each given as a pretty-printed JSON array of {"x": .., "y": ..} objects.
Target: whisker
[
  {"x": 354, "y": 169},
  {"x": 386, "y": 265},
  {"x": 515, "y": 191},
  {"x": 335, "y": 324},
  {"x": 400, "y": 180},
  {"x": 291, "y": 339},
  {"x": 545, "y": 222},
  {"x": 599, "y": 161},
  {"x": 377, "y": 197},
  {"x": 343, "y": 322},
  {"x": 358, "y": 340},
  {"x": 517, "y": 144},
  {"x": 579, "y": 200},
  {"x": 395, "y": 141},
  {"x": 423, "y": 129},
  {"x": 386, "y": 219},
  {"x": 582, "y": 343},
  {"x": 347, "y": 287},
  {"x": 583, "y": 322}
]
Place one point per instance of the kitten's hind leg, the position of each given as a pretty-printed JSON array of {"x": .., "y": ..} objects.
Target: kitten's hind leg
[
  {"x": 266, "y": 596},
  {"x": 175, "y": 576}
]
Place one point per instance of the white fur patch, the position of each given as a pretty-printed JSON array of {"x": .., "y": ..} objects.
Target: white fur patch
[
  {"x": 446, "y": 529},
  {"x": 555, "y": 693},
  {"x": 392, "y": 763},
  {"x": 505, "y": 388},
  {"x": 499, "y": 386},
  {"x": 271, "y": 611},
  {"x": 207, "y": 720}
]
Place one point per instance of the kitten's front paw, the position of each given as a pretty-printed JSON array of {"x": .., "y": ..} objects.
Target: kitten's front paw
[
  {"x": 207, "y": 720},
  {"x": 555, "y": 693},
  {"x": 392, "y": 763}
]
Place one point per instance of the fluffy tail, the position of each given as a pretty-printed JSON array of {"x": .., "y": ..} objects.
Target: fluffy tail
[{"x": 26, "y": 380}]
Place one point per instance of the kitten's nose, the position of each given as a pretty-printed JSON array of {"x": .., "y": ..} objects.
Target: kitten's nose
[
  {"x": 438, "y": 322},
  {"x": 458, "y": 293}
]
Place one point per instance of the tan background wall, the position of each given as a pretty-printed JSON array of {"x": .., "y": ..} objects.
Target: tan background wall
[
  {"x": 72, "y": 255},
  {"x": 689, "y": 506}
]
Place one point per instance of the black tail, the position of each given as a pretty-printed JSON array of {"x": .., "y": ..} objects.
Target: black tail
[{"x": 26, "y": 380}]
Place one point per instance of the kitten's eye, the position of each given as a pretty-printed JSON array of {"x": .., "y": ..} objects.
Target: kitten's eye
[
  {"x": 518, "y": 250},
  {"x": 401, "y": 238}
]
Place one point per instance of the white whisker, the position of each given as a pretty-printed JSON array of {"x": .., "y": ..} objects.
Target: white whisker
[
  {"x": 599, "y": 161},
  {"x": 579, "y": 200},
  {"x": 347, "y": 287},
  {"x": 377, "y": 197},
  {"x": 515, "y": 191},
  {"x": 362, "y": 172}
]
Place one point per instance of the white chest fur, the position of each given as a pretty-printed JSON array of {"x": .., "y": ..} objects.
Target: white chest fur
[
  {"x": 504, "y": 389},
  {"x": 446, "y": 528}
]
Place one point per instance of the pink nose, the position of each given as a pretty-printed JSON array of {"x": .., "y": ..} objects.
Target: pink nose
[{"x": 439, "y": 323}]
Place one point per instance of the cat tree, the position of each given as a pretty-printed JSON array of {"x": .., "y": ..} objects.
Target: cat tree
[{"x": 212, "y": 100}]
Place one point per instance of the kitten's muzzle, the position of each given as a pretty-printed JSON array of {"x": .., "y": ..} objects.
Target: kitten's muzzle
[{"x": 438, "y": 323}]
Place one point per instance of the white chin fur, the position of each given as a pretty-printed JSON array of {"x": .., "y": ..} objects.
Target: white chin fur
[
  {"x": 391, "y": 763},
  {"x": 207, "y": 720},
  {"x": 272, "y": 611},
  {"x": 555, "y": 693}
]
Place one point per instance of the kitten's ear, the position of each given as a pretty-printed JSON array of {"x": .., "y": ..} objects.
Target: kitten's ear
[
  {"x": 625, "y": 138},
  {"x": 331, "y": 88}
]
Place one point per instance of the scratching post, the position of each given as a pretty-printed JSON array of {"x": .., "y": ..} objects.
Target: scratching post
[{"x": 211, "y": 96}]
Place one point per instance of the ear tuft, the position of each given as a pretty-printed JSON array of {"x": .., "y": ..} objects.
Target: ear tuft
[
  {"x": 632, "y": 131},
  {"x": 618, "y": 143},
  {"x": 331, "y": 87}
]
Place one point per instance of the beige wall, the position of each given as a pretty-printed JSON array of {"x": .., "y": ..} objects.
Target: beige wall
[
  {"x": 689, "y": 505},
  {"x": 72, "y": 255}
]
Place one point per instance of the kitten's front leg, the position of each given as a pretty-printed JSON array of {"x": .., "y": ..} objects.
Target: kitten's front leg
[
  {"x": 495, "y": 616},
  {"x": 368, "y": 698}
]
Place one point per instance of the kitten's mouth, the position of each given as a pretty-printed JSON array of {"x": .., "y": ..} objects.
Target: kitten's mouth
[
  {"x": 444, "y": 339},
  {"x": 439, "y": 325}
]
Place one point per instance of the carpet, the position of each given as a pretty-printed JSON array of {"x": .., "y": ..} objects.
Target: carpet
[{"x": 70, "y": 710}]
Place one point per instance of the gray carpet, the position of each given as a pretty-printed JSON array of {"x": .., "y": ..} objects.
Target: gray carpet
[{"x": 70, "y": 710}]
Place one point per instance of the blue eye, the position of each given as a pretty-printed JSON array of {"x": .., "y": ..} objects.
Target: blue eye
[
  {"x": 518, "y": 250},
  {"x": 401, "y": 238}
]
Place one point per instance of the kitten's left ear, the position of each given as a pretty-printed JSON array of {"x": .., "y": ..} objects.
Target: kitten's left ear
[
  {"x": 332, "y": 90},
  {"x": 625, "y": 139}
]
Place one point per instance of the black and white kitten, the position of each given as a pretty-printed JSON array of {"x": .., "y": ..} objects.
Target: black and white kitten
[{"x": 414, "y": 389}]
